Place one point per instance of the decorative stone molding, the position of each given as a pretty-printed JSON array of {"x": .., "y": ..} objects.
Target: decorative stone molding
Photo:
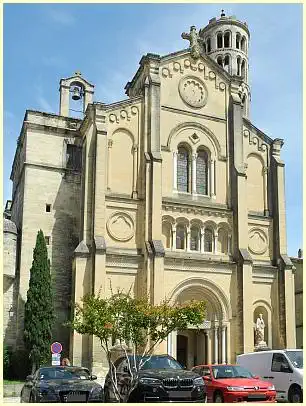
[
  {"x": 157, "y": 248},
  {"x": 254, "y": 140},
  {"x": 193, "y": 91},
  {"x": 258, "y": 241},
  {"x": 189, "y": 65},
  {"x": 100, "y": 244},
  {"x": 122, "y": 115},
  {"x": 120, "y": 226},
  {"x": 196, "y": 211}
]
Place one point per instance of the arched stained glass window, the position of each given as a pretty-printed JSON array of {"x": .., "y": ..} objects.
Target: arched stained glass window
[
  {"x": 194, "y": 239},
  {"x": 208, "y": 240},
  {"x": 180, "y": 237},
  {"x": 202, "y": 173},
  {"x": 182, "y": 170}
]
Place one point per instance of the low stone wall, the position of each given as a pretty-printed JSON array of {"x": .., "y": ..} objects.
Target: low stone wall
[{"x": 12, "y": 390}]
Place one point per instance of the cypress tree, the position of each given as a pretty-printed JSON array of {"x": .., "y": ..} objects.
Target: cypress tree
[{"x": 39, "y": 308}]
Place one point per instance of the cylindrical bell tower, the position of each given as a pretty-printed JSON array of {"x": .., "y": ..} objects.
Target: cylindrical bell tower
[{"x": 226, "y": 41}]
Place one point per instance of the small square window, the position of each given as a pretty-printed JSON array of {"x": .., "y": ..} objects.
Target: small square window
[
  {"x": 47, "y": 239},
  {"x": 48, "y": 208}
]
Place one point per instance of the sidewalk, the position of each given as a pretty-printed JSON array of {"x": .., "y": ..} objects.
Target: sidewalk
[{"x": 11, "y": 400}]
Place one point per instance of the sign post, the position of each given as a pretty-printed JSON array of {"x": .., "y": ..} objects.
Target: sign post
[{"x": 56, "y": 349}]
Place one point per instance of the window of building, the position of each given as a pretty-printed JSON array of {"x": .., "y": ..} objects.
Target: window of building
[
  {"x": 243, "y": 68},
  {"x": 180, "y": 237},
  {"x": 74, "y": 157},
  {"x": 208, "y": 45},
  {"x": 219, "y": 40},
  {"x": 48, "y": 208},
  {"x": 166, "y": 232},
  {"x": 226, "y": 63},
  {"x": 194, "y": 239},
  {"x": 47, "y": 239},
  {"x": 182, "y": 170},
  {"x": 238, "y": 66},
  {"x": 202, "y": 172},
  {"x": 243, "y": 44},
  {"x": 227, "y": 40},
  {"x": 222, "y": 241},
  {"x": 219, "y": 61},
  {"x": 208, "y": 240},
  {"x": 238, "y": 41}
]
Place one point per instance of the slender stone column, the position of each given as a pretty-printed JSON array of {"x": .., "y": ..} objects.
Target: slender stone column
[
  {"x": 223, "y": 352},
  {"x": 175, "y": 170},
  {"x": 209, "y": 357},
  {"x": 212, "y": 178},
  {"x": 174, "y": 237},
  {"x": 194, "y": 173},
  {"x": 229, "y": 244},
  {"x": 215, "y": 242},
  {"x": 135, "y": 151},
  {"x": 216, "y": 344},
  {"x": 188, "y": 239},
  {"x": 202, "y": 239},
  {"x": 265, "y": 182},
  {"x": 109, "y": 156}
]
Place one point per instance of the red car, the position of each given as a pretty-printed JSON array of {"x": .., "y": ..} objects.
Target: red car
[{"x": 232, "y": 383}]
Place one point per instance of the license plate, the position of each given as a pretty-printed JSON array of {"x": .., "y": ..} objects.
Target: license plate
[
  {"x": 76, "y": 398},
  {"x": 257, "y": 396},
  {"x": 178, "y": 394}
]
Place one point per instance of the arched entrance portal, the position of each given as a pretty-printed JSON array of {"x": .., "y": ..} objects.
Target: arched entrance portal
[{"x": 210, "y": 343}]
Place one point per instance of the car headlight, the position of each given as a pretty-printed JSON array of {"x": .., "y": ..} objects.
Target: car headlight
[
  {"x": 198, "y": 381},
  {"x": 96, "y": 393},
  {"x": 236, "y": 388},
  {"x": 271, "y": 387},
  {"x": 150, "y": 381}
]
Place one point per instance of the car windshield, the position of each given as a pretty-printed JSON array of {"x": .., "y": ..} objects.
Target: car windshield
[
  {"x": 158, "y": 363},
  {"x": 63, "y": 373},
  {"x": 230, "y": 371},
  {"x": 296, "y": 358}
]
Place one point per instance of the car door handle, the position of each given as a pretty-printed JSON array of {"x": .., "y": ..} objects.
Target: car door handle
[{"x": 268, "y": 377}]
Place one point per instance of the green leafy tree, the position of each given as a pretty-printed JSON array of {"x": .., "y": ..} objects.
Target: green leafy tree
[
  {"x": 39, "y": 310},
  {"x": 133, "y": 321}
]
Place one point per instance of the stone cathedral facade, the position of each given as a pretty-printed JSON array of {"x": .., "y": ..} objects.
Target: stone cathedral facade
[{"x": 173, "y": 191}]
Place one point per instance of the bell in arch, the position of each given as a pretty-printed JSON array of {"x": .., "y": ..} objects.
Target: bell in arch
[{"x": 76, "y": 93}]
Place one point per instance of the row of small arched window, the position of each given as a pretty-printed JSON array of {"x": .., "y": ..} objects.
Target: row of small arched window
[
  {"x": 184, "y": 170},
  {"x": 224, "y": 62},
  {"x": 177, "y": 238},
  {"x": 224, "y": 40}
]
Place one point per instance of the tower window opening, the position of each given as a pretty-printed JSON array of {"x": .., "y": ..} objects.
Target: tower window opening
[
  {"x": 48, "y": 208},
  {"x": 219, "y": 61},
  {"x": 204, "y": 46},
  {"x": 238, "y": 66},
  {"x": 194, "y": 239},
  {"x": 243, "y": 69},
  {"x": 208, "y": 45},
  {"x": 238, "y": 41},
  {"x": 226, "y": 63},
  {"x": 227, "y": 40},
  {"x": 243, "y": 44},
  {"x": 219, "y": 41}
]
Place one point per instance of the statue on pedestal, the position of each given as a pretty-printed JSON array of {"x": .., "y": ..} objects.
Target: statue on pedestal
[{"x": 260, "y": 332}]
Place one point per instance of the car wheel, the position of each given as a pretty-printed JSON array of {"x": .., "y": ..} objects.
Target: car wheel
[
  {"x": 218, "y": 398},
  {"x": 295, "y": 395}
]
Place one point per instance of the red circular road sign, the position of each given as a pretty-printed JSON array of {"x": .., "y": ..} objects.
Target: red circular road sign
[{"x": 56, "y": 348}]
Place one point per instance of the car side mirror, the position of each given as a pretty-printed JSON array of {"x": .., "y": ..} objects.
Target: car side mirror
[
  {"x": 93, "y": 377},
  {"x": 29, "y": 378},
  {"x": 285, "y": 368}
]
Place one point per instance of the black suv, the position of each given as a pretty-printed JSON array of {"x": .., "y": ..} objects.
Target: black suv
[{"x": 160, "y": 379}]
